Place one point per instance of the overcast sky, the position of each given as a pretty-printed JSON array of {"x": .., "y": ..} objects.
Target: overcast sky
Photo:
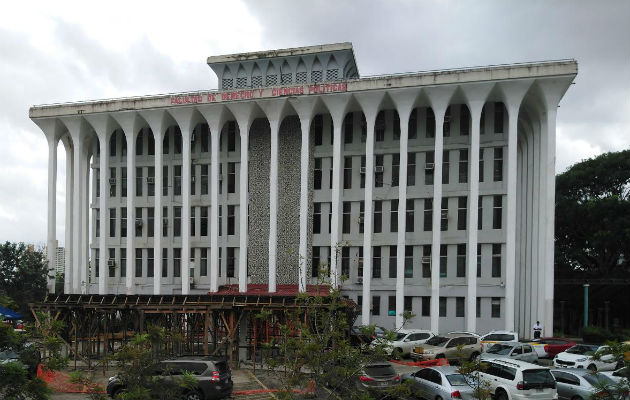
[{"x": 71, "y": 51}]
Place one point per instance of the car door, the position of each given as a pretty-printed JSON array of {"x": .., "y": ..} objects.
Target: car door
[
  {"x": 566, "y": 384},
  {"x": 529, "y": 354},
  {"x": 435, "y": 384},
  {"x": 421, "y": 382},
  {"x": 517, "y": 352},
  {"x": 452, "y": 351}
]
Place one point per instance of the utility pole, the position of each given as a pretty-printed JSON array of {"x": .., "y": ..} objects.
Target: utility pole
[{"x": 586, "y": 285}]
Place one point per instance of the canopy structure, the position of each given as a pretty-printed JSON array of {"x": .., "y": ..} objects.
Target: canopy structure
[{"x": 9, "y": 314}]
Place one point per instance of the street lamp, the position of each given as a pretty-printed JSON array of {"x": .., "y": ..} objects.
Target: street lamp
[{"x": 586, "y": 285}]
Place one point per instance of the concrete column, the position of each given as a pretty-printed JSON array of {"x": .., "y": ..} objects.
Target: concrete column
[
  {"x": 335, "y": 225},
  {"x": 244, "y": 205},
  {"x": 510, "y": 226},
  {"x": 51, "y": 245},
  {"x": 273, "y": 203},
  {"x": 67, "y": 285},
  {"x": 550, "y": 200},
  {"x": 85, "y": 218},
  {"x": 367, "y": 219},
  {"x": 437, "y": 208},
  {"x": 305, "y": 124},
  {"x": 186, "y": 134},
  {"x": 215, "y": 132},
  {"x": 131, "y": 210},
  {"x": 104, "y": 231}
]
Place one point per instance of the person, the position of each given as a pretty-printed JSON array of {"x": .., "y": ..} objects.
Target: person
[{"x": 537, "y": 330}]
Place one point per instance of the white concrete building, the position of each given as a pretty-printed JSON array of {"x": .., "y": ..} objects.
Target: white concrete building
[{"x": 321, "y": 157}]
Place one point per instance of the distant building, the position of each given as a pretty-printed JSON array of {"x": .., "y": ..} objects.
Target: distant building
[
  {"x": 60, "y": 258},
  {"x": 295, "y": 158}
]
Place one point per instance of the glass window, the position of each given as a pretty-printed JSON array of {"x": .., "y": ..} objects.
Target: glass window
[
  {"x": 317, "y": 174},
  {"x": 411, "y": 169},
  {"x": 459, "y": 307},
  {"x": 495, "y": 307},
  {"x": 376, "y": 262},
  {"x": 177, "y": 180},
  {"x": 498, "y": 164},
  {"x": 463, "y": 166},
  {"x": 347, "y": 173},
  {"x": 428, "y": 214},
  {"x": 231, "y": 177},
  {"x": 497, "y": 212},
  {"x": 378, "y": 216},
  {"x": 378, "y": 171},
  {"x": 461, "y": 260},
  {"x": 408, "y": 261},
  {"x": 429, "y": 168},
  {"x": 442, "y": 306},
  {"x": 409, "y": 216},
  {"x": 376, "y": 305},
  {"x": 426, "y": 306},
  {"x": 177, "y": 221},
  {"x": 462, "y": 212},
  {"x": 445, "y": 167},
  {"x": 426, "y": 261},
  {"x": 496, "y": 260},
  {"x": 393, "y": 261},
  {"x": 177, "y": 262}
]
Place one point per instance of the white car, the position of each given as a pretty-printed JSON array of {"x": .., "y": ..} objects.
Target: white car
[
  {"x": 493, "y": 337},
  {"x": 405, "y": 340},
  {"x": 581, "y": 356},
  {"x": 618, "y": 374},
  {"x": 514, "y": 379}
]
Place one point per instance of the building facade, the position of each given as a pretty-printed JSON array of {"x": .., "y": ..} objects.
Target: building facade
[{"x": 431, "y": 192}]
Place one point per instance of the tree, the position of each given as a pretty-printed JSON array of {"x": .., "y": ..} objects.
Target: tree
[
  {"x": 592, "y": 209},
  {"x": 23, "y": 274}
]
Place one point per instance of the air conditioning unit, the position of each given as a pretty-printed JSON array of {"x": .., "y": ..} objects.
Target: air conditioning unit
[
  {"x": 429, "y": 166},
  {"x": 360, "y": 280},
  {"x": 112, "y": 181},
  {"x": 360, "y": 220},
  {"x": 192, "y": 137},
  {"x": 426, "y": 259},
  {"x": 191, "y": 280},
  {"x": 444, "y": 214},
  {"x": 379, "y": 169},
  {"x": 138, "y": 222},
  {"x": 192, "y": 179},
  {"x": 150, "y": 180},
  {"x": 165, "y": 221},
  {"x": 111, "y": 262},
  {"x": 362, "y": 170}
]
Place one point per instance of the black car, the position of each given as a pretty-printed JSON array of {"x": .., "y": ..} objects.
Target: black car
[
  {"x": 364, "y": 335},
  {"x": 213, "y": 375}
]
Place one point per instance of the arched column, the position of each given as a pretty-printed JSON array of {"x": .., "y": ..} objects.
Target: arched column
[{"x": 67, "y": 283}]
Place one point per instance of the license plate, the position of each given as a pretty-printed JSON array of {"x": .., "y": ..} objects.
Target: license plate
[{"x": 419, "y": 350}]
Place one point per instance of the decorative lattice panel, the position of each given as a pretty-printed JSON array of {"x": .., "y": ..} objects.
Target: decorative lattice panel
[
  {"x": 241, "y": 82},
  {"x": 316, "y": 76},
  {"x": 272, "y": 80},
  {"x": 332, "y": 74},
  {"x": 286, "y": 79},
  {"x": 257, "y": 81},
  {"x": 226, "y": 83},
  {"x": 300, "y": 77}
]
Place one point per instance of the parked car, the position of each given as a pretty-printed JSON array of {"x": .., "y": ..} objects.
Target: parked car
[
  {"x": 463, "y": 333},
  {"x": 515, "y": 379},
  {"x": 581, "y": 356},
  {"x": 512, "y": 351},
  {"x": 618, "y": 374},
  {"x": 582, "y": 384},
  {"x": 549, "y": 347},
  {"x": 493, "y": 337},
  {"x": 451, "y": 347},
  {"x": 439, "y": 383},
  {"x": 213, "y": 375},
  {"x": 363, "y": 335},
  {"x": 377, "y": 377},
  {"x": 404, "y": 341}
]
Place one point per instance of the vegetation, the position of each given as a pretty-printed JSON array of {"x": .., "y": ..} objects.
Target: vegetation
[{"x": 618, "y": 391}]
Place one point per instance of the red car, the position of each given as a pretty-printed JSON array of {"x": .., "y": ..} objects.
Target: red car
[{"x": 554, "y": 345}]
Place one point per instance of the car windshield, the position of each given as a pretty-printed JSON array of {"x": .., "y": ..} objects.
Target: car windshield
[
  {"x": 584, "y": 349},
  {"x": 501, "y": 349},
  {"x": 457, "y": 380},
  {"x": 598, "y": 380},
  {"x": 399, "y": 336},
  {"x": 500, "y": 337},
  {"x": 437, "y": 341},
  {"x": 379, "y": 370}
]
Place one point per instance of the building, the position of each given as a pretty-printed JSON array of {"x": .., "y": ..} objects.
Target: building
[
  {"x": 59, "y": 259},
  {"x": 320, "y": 156}
]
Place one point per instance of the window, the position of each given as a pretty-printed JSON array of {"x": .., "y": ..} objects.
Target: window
[
  {"x": 150, "y": 264},
  {"x": 151, "y": 181},
  {"x": 345, "y": 261},
  {"x": 378, "y": 216},
  {"x": 164, "y": 262},
  {"x": 430, "y": 123},
  {"x": 462, "y": 212},
  {"x": 426, "y": 261},
  {"x": 165, "y": 180},
  {"x": 112, "y": 257},
  {"x": 231, "y": 178},
  {"x": 204, "y": 179},
  {"x": 498, "y": 164},
  {"x": 347, "y": 173},
  {"x": 231, "y": 260},
  {"x": 459, "y": 307},
  {"x": 429, "y": 168},
  {"x": 317, "y": 217},
  {"x": 498, "y": 117},
  {"x": 411, "y": 169},
  {"x": 445, "y": 167},
  {"x": 461, "y": 260},
  {"x": 362, "y": 172},
  {"x": 97, "y": 262},
  {"x": 204, "y": 133},
  {"x": 391, "y": 305},
  {"x": 480, "y": 213},
  {"x": 97, "y": 220},
  {"x": 446, "y": 128},
  {"x": 426, "y": 306},
  {"x": 464, "y": 120},
  {"x": 193, "y": 219},
  {"x": 317, "y": 174},
  {"x": 220, "y": 220},
  {"x": 463, "y": 166},
  {"x": 123, "y": 222},
  {"x": 231, "y": 136},
  {"x": 177, "y": 180},
  {"x": 315, "y": 262},
  {"x": 177, "y": 262},
  {"x": 139, "y": 143},
  {"x": 393, "y": 216},
  {"x": 112, "y": 182},
  {"x": 360, "y": 303},
  {"x": 444, "y": 215},
  {"x": 193, "y": 178},
  {"x": 409, "y": 216},
  {"x": 97, "y": 174},
  {"x": 496, "y": 260},
  {"x": 497, "y": 212},
  {"x": 177, "y": 141},
  {"x": 408, "y": 261},
  {"x": 443, "y": 260},
  {"x": 481, "y": 165},
  {"x": 478, "y": 261},
  {"x": 393, "y": 261},
  {"x": 165, "y": 143},
  {"x": 378, "y": 171},
  {"x": 112, "y": 222},
  {"x": 376, "y": 262},
  {"x": 428, "y": 214},
  {"x": 495, "y": 304},
  {"x": 204, "y": 221},
  {"x": 318, "y": 129},
  {"x": 478, "y": 306},
  {"x": 395, "y": 169},
  {"x": 231, "y": 219},
  {"x": 177, "y": 221},
  {"x": 396, "y": 125},
  {"x": 165, "y": 221},
  {"x": 112, "y": 145},
  {"x": 407, "y": 306},
  {"x": 348, "y": 128},
  {"x": 203, "y": 262},
  {"x": 138, "y": 263},
  {"x": 482, "y": 121},
  {"x": 376, "y": 305},
  {"x": 361, "y": 216},
  {"x": 150, "y": 221},
  {"x": 413, "y": 124},
  {"x": 123, "y": 262},
  {"x": 379, "y": 127},
  {"x": 442, "y": 305},
  {"x": 138, "y": 223}
]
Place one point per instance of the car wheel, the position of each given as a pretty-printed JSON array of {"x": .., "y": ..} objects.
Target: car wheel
[
  {"x": 500, "y": 395},
  {"x": 576, "y": 398},
  {"x": 592, "y": 367},
  {"x": 438, "y": 398},
  {"x": 194, "y": 395}
]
